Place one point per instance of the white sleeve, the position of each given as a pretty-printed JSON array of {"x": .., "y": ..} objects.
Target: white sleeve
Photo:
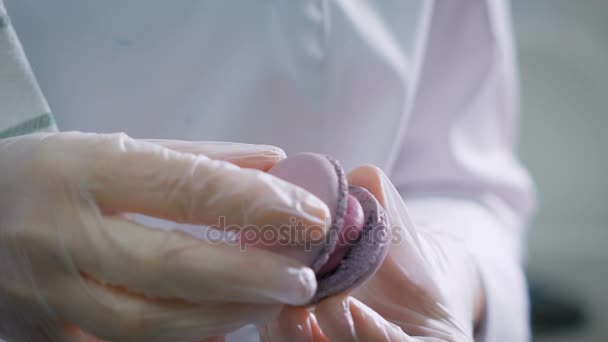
[
  {"x": 495, "y": 249},
  {"x": 457, "y": 167}
]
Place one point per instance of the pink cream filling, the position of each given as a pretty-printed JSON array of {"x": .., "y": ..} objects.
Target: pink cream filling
[{"x": 349, "y": 234}]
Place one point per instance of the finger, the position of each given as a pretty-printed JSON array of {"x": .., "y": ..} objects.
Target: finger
[
  {"x": 215, "y": 339},
  {"x": 369, "y": 177},
  {"x": 346, "y": 319},
  {"x": 402, "y": 227},
  {"x": 376, "y": 181},
  {"x": 316, "y": 330},
  {"x": 406, "y": 248},
  {"x": 261, "y": 157},
  {"x": 126, "y": 175},
  {"x": 75, "y": 334},
  {"x": 171, "y": 264},
  {"x": 294, "y": 324},
  {"x": 114, "y": 315}
]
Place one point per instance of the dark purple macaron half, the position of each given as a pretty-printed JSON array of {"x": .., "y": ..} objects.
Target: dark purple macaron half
[{"x": 359, "y": 235}]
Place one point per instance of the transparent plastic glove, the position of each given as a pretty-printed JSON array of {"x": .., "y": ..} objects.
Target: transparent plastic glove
[
  {"x": 427, "y": 288},
  {"x": 68, "y": 255}
]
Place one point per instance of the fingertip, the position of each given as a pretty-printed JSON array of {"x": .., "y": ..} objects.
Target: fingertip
[
  {"x": 261, "y": 157},
  {"x": 371, "y": 178},
  {"x": 293, "y": 324},
  {"x": 304, "y": 289},
  {"x": 368, "y": 325},
  {"x": 335, "y": 319},
  {"x": 274, "y": 151}
]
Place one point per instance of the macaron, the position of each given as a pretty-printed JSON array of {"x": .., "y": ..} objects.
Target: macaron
[{"x": 358, "y": 237}]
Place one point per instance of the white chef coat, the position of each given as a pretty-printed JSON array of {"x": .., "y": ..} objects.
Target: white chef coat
[{"x": 424, "y": 89}]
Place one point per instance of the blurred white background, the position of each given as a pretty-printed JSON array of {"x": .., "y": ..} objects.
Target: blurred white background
[{"x": 563, "y": 54}]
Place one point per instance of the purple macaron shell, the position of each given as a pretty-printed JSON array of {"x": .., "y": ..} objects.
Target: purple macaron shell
[
  {"x": 323, "y": 177},
  {"x": 349, "y": 234},
  {"x": 365, "y": 257}
]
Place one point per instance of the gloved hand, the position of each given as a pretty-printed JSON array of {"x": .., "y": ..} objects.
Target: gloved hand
[
  {"x": 68, "y": 255},
  {"x": 427, "y": 289}
]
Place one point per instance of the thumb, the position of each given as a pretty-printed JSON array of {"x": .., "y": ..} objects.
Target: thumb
[{"x": 376, "y": 181}]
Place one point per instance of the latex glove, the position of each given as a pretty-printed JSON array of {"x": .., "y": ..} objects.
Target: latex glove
[
  {"x": 427, "y": 289},
  {"x": 67, "y": 254}
]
